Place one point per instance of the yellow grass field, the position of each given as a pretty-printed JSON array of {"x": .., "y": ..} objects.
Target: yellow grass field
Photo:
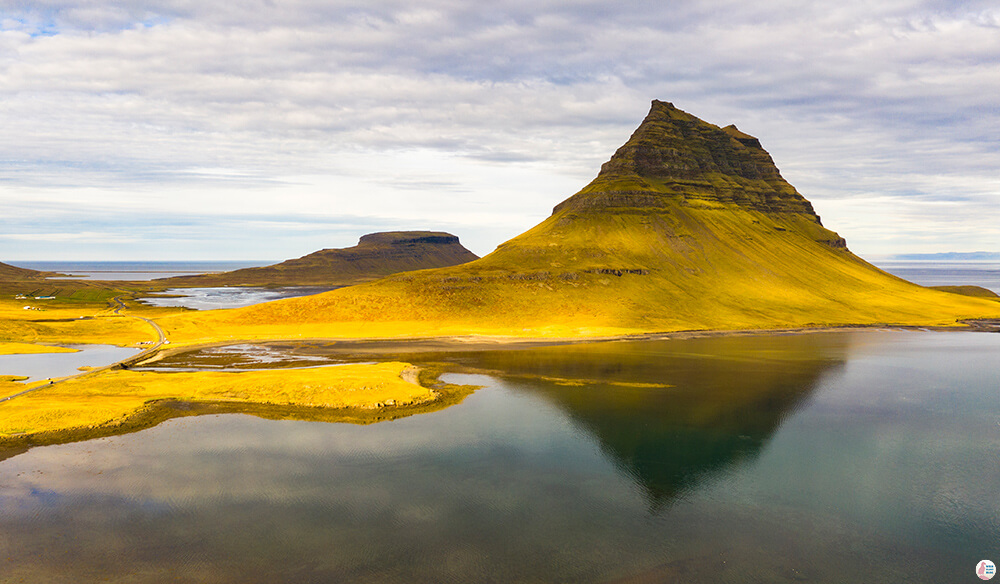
[
  {"x": 63, "y": 323},
  {"x": 11, "y": 384},
  {"x": 29, "y": 348},
  {"x": 110, "y": 397}
]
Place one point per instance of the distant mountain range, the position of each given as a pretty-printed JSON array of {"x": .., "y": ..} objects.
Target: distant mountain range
[{"x": 983, "y": 256}]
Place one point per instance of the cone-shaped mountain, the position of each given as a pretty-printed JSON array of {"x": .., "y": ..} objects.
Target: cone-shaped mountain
[
  {"x": 687, "y": 226},
  {"x": 673, "y": 156}
]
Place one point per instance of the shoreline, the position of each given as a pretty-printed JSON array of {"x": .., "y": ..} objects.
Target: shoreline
[
  {"x": 475, "y": 343},
  {"x": 157, "y": 411}
]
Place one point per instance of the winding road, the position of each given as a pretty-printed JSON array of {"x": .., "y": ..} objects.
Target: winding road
[{"x": 119, "y": 305}]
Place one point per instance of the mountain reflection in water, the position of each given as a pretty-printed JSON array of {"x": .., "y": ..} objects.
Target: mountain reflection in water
[
  {"x": 834, "y": 457},
  {"x": 670, "y": 413}
]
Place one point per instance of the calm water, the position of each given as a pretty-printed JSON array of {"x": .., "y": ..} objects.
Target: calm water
[
  {"x": 938, "y": 273},
  {"x": 44, "y": 365},
  {"x": 228, "y": 296},
  {"x": 841, "y": 457}
]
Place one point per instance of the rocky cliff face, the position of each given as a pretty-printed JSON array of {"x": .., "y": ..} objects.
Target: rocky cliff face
[{"x": 674, "y": 157}]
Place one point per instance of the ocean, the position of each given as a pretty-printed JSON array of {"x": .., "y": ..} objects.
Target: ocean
[
  {"x": 122, "y": 270},
  {"x": 946, "y": 273}
]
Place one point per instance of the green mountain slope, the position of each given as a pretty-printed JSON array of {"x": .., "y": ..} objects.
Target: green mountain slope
[
  {"x": 688, "y": 226},
  {"x": 376, "y": 255}
]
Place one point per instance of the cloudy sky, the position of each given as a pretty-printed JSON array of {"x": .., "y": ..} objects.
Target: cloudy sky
[{"x": 267, "y": 129}]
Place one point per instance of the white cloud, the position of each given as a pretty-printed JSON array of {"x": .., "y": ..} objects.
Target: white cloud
[
  {"x": 454, "y": 113},
  {"x": 72, "y": 237}
]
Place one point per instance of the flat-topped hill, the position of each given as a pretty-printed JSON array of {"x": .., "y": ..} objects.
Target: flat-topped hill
[
  {"x": 376, "y": 255},
  {"x": 688, "y": 226}
]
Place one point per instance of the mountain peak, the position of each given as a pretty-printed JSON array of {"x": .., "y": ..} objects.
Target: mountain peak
[
  {"x": 742, "y": 137},
  {"x": 674, "y": 157}
]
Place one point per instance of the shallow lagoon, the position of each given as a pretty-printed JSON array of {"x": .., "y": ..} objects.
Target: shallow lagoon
[
  {"x": 227, "y": 296},
  {"x": 835, "y": 457},
  {"x": 37, "y": 366}
]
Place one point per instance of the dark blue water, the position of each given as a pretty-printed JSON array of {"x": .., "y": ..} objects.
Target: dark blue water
[
  {"x": 835, "y": 457},
  {"x": 938, "y": 273}
]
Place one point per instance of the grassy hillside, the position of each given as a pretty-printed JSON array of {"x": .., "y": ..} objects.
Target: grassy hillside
[
  {"x": 688, "y": 226},
  {"x": 9, "y": 272}
]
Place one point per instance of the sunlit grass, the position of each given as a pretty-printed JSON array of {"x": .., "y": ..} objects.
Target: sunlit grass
[
  {"x": 30, "y": 348},
  {"x": 62, "y": 321},
  {"x": 111, "y": 397},
  {"x": 596, "y": 274}
]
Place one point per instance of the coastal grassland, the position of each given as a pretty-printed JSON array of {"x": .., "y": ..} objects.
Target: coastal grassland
[
  {"x": 83, "y": 294},
  {"x": 29, "y": 348},
  {"x": 11, "y": 384},
  {"x": 684, "y": 266},
  {"x": 68, "y": 320},
  {"x": 110, "y": 400}
]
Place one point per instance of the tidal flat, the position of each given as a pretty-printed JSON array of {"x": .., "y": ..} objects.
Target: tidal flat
[
  {"x": 826, "y": 457},
  {"x": 214, "y": 298}
]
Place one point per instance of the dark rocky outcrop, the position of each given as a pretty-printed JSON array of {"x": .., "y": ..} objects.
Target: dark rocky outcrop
[{"x": 675, "y": 157}]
